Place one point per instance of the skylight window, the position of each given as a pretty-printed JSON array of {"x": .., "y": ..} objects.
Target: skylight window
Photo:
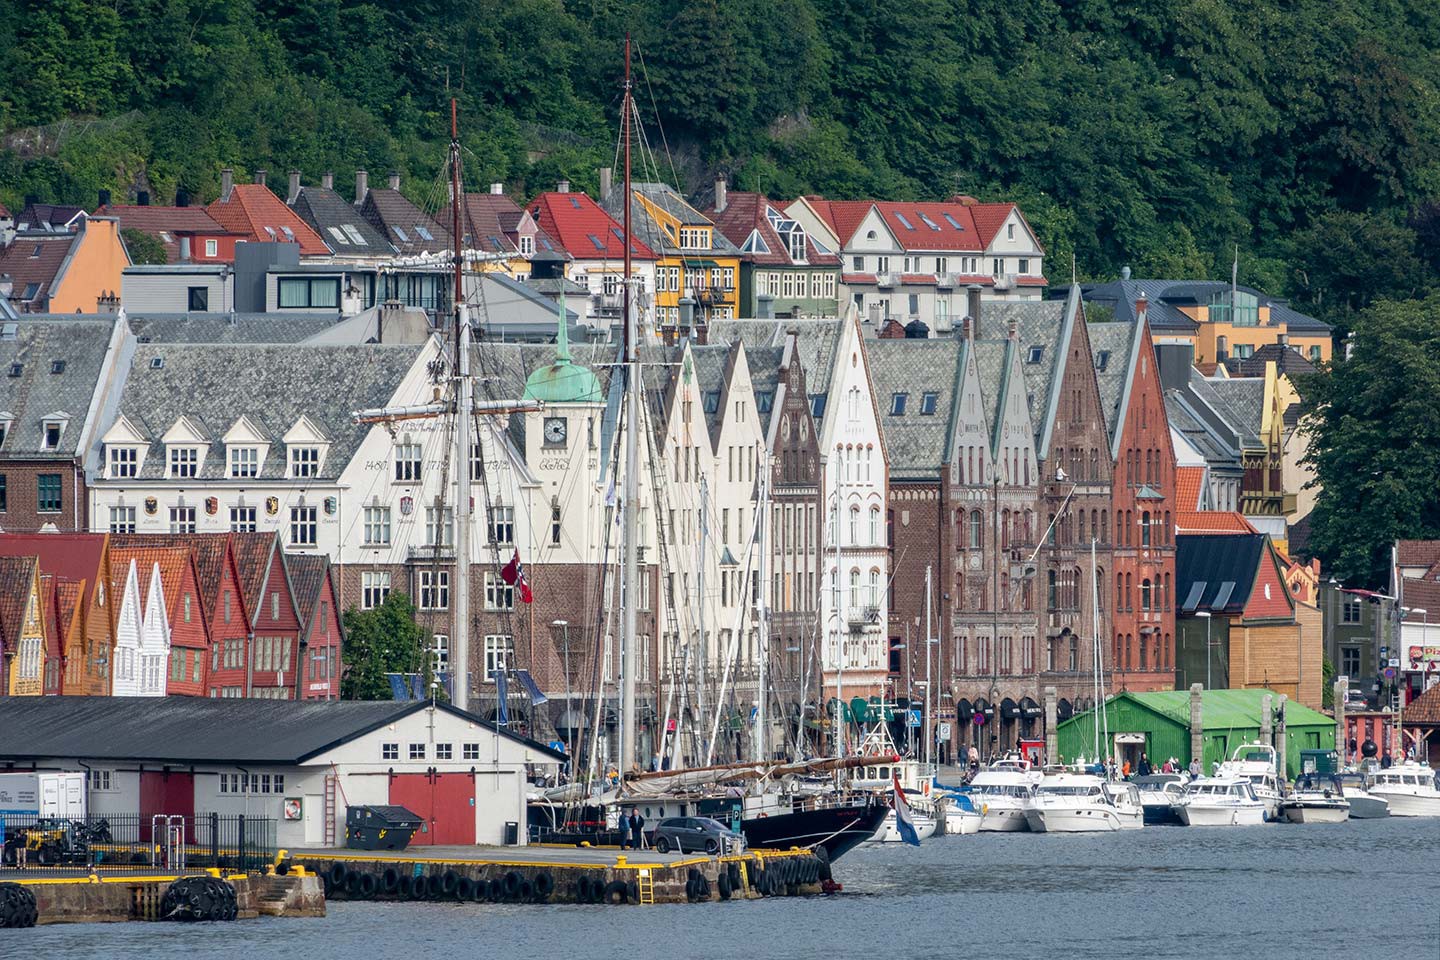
[
  {"x": 953, "y": 222},
  {"x": 400, "y": 232},
  {"x": 1102, "y": 360},
  {"x": 338, "y": 235},
  {"x": 271, "y": 232},
  {"x": 928, "y": 222},
  {"x": 1037, "y": 353},
  {"x": 575, "y": 202},
  {"x": 57, "y": 366},
  {"x": 31, "y": 289},
  {"x": 906, "y": 223},
  {"x": 596, "y": 241},
  {"x": 355, "y": 235},
  {"x": 423, "y": 232},
  {"x": 927, "y": 404},
  {"x": 289, "y": 234},
  {"x": 35, "y": 254},
  {"x": 897, "y": 404}
]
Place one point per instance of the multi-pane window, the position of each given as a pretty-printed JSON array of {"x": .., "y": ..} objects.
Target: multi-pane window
[
  {"x": 122, "y": 519},
  {"x": 242, "y": 520},
  {"x": 407, "y": 462},
  {"x": 439, "y": 526},
  {"x": 184, "y": 461},
  {"x": 244, "y": 462},
  {"x": 434, "y": 589},
  {"x": 499, "y": 595},
  {"x": 124, "y": 461},
  {"x": 1350, "y": 611},
  {"x": 303, "y": 526},
  {"x": 439, "y": 653},
  {"x": 469, "y": 751},
  {"x": 499, "y": 649},
  {"x": 304, "y": 461},
  {"x": 502, "y": 524},
  {"x": 377, "y": 526},
  {"x": 47, "y": 488},
  {"x": 182, "y": 519},
  {"x": 417, "y": 751},
  {"x": 1350, "y": 661},
  {"x": 389, "y": 751},
  {"x": 374, "y": 588},
  {"x": 444, "y": 751}
]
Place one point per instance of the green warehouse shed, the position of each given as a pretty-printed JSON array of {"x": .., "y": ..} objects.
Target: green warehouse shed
[{"x": 1159, "y": 725}]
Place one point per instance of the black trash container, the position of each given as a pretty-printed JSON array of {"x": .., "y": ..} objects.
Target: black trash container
[
  {"x": 379, "y": 827},
  {"x": 512, "y": 833}
]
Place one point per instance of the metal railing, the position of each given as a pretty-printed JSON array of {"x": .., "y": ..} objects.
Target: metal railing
[{"x": 121, "y": 843}]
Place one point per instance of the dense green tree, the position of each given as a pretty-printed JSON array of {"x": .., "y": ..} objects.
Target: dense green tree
[
  {"x": 1375, "y": 441},
  {"x": 384, "y": 640},
  {"x": 143, "y": 248}
]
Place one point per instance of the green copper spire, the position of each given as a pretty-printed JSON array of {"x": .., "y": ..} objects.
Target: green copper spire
[{"x": 563, "y": 381}]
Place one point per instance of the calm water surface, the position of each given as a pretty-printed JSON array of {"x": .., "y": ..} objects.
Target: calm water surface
[{"x": 1363, "y": 889}]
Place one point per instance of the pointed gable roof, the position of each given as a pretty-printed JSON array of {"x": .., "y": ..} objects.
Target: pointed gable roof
[
  {"x": 251, "y": 208},
  {"x": 1115, "y": 353},
  {"x": 917, "y": 368},
  {"x": 491, "y": 222},
  {"x": 17, "y": 580},
  {"x": 308, "y": 574},
  {"x": 174, "y": 561},
  {"x": 253, "y": 553},
  {"x": 342, "y": 227},
  {"x": 403, "y": 224},
  {"x": 583, "y": 229},
  {"x": 33, "y": 261},
  {"x": 843, "y": 217},
  {"x": 75, "y": 556},
  {"x": 747, "y": 213}
]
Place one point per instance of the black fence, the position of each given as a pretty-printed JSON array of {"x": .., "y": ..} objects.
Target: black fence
[{"x": 129, "y": 843}]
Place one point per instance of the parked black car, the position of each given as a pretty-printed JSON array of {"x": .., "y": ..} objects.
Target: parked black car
[{"x": 694, "y": 834}]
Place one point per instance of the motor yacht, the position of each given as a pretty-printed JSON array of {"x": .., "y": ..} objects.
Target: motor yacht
[
  {"x": 1363, "y": 804},
  {"x": 1002, "y": 793},
  {"x": 1256, "y": 762},
  {"x": 1159, "y": 794},
  {"x": 1221, "y": 802},
  {"x": 1082, "y": 803},
  {"x": 1410, "y": 788},
  {"x": 962, "y": 817},
  {"x": 1315, "y": 800}
]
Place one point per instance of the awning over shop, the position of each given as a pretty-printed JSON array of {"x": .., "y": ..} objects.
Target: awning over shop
[{"x": 1009, "y": 709}]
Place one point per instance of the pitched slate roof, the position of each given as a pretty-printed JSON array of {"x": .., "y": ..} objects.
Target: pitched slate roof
[
  {"x": 274, "y": 386},
  {"x": 1217, "y": 573},
  {"x": 746, "y": 213},
  {"x": 403, "y": 224},
  {"x": 202, "y": 729},
  {"x": 339, "y": 224},
  {"x": 490, "y": 222},
  {"x": 583, "y": 229},
  {"x": 166, "y": 224},
  {"x": 47, "y": 216},
  {"x": 1242, "y": 402},
  {"x": 915, "y": 442},
  {"x": 649, "y": 231},
  {"x": 990, "y": 368},
  {"x": 1039, "y": 324},
  {"x": 815, "y": 343},
  {"x": 33, "y": 260},
  {"x": 1110, "y": 346},
  {"x": 1288, "y": 362},
  {"x": 35, "y": 391},
  {"x": 254, "y": 212},
  {"x": 1164, "y": 298},
  {"x": 255, "y": 328},
  {"x": 764, "y": 363},
  {"x": 712, "y": 374}
]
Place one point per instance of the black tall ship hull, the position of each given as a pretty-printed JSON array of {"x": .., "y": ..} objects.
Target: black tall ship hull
[{"x": 838, "y": 829}]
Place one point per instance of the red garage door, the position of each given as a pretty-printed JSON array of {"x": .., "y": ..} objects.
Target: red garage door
[
  {"x": 445, "y": 803},
  {"x": 167, "y": 793}
]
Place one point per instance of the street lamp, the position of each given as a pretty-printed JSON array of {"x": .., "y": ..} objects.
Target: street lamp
[{"x": 1206, "y": 615}]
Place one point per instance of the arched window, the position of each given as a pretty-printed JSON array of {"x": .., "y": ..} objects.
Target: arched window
[
  {"x": 1166, "y": 595},
  {"x": 1129, "y": 593},
  {"x": 854, "y": 525},
  {"x": 874, "y": 587},
  {"x": 1029, "y": 526},
  {"x": 1119, "y": 591},
  {"x": 1004, "y": 597},
  {"x": 1052, "y": 599},
  {"x": 854, "y": 403},
  {"x": 1094, "y": 464},
  {"x": 854, "y": 586},
  {"x": 1166, "y": 533},
  {"x": 977, "y": 530},
  {"x": 1099, "y": 594},
  {"x": 1145, "y": 594},
  {"x": 1129, "y": 651},
  {"x": 1144, "y": 528},
  {"x": 835, "y": 590},
  {"x": 1104, "y": 526},
  {"x": 875, "y": 526},
  {"x": 1005, "y": 530},
  {"x": 1144, "y": 652},
  {"x": 1083, "y": 541}
]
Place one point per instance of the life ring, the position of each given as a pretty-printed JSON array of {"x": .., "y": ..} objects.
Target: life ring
[{"x": 762, "y": 816}]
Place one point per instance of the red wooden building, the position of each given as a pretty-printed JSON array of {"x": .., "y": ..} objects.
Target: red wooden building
[{"x": 313, "y": 584}]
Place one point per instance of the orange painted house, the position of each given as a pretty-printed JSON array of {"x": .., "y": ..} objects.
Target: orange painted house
[
  {"x": 74, "y": 272},
  {"x": 84, "y": 559}
]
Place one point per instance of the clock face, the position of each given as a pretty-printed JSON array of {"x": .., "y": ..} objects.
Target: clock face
[{"x": 555, "y": 430}]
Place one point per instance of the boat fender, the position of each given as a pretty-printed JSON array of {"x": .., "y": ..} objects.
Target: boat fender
[
  {"x": 418, "y": 888},
  {"x": 722, "y": 882},
  {"x": 465, "y": 889},
  {"x": 616, "y": 892},
  {"x": 526, "y": 893},
  {"x": 494, "y": 891},
  {"x": 449, "y": 880},
  {"x": 544, "y": 885},
  {"x": 510, "y": 885},
  {"x": 352, "y": 882},
  {"x": 327, "y": 885},
  {"x": 822, "y": 854},
  {"x": 369, "y": 883},
  {"x": 404, "y": 885},
  {"x": 435, "y": 886},
  {"x": 734, "y": 873},
  {"x": 337, "y": 873},
  {"x": 390, "y": 880}
]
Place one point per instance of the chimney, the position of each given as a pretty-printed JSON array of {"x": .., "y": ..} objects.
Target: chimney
[
  {"x": 1013, "y": 331},
  {"x": 764, "y": 304},
  {"x": 972, "y": 306},
  {"x": 184, "y": 249},
  {"x": 720, "y": 198},
  {"x": 687, "y": 313},
  {"x": 104, "y": 198},
  {"x": 1222, "y": 349},
  {"x": 1125, "y": 272},
  {"x": 362, "y": 186},
  {"x": 967, "y": 330},
  {"x": 1284, "y": 339},
  {"x": 260, "y": 177},
  {"x": 562, "y": 186},
  {"x": 142, "y": 197},
  {"x": 182, "y": 197},
  {"x": 227, "y": 184},
  {"x": 606, "y": 175},
  {"x": 294, "y": 187},
  {"x": 394, "y": 180},
  {"x": 327, "y": 180},
  {"x": 873, "y": 313},
  {"x": 1142, "y": 308}
]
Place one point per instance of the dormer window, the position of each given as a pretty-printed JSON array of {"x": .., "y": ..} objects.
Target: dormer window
[
  {"x": 4, "y": 430},
  {"x": 695, "y": 238},
  {"x": 527, "y": 245},
  {"x": 123, "y": 462},
  {"x": 184, "y": 462},
  {"x": 304, "y": 461},
  {"x": 51, "y": 432},
  {"x": 244, "y": 462}
]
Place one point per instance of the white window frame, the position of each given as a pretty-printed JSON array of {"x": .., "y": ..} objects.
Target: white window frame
[
  {"x": 375, "y": 588},
  {"x": 244, "y": 520},
  {"x": 304, "y": 526},
  {"x": 122, "y": 462},
  {"x": 304, "y": 462},
  {"x": 499, "y": 595},
  {"x": 499, "y": 651},
  {"x": 183, "y": 462},
  {"x": 377, "y": 526},
  {"x": 182, "y": 519},
  {"x": 244, "y": 462},
  {"x": 122, "y": 519},
  {"x": 434, "y": 589},
  {"x": 409, "y": 466}
]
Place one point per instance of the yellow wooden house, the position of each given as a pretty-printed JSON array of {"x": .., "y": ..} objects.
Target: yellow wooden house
[{"x": 22, "y": 630}]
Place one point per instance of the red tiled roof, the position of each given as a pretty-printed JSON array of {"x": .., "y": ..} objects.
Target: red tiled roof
[
  {"x": 925, "y": 278},
  {"x": 252, "y": 561},
  {"x": 1417, "y": 553},
  {"x": 75, "y": 556},
  {"x": 173, "y": 562},
  {"x": 746, "y": 212},
  {"x": 170, "y": 220},
  {"x": 1212, "y": 521},
  {"x": 35, "y": 258},
  {"x": 1424, "y": 709},
  {"x": 1032, "y": 282},
  {"x": 842, "y": 216},
  {"x": 1188, "y": 484},
  {"x": 571, "y": 219},
  {"x": 252, "y": 207},
  {"x": 983, "y": 279},
  {"x": 1424, "y": 594},
  {"x": 859, "y": 278}
]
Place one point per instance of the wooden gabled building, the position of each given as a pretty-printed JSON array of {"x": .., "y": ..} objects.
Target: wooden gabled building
[
  {"x": 22, "y": 628},
  {"x": 83, "y": 559}
]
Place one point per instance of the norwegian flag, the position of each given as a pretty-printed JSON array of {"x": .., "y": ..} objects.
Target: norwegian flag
[{"x": 513, "y": 573}]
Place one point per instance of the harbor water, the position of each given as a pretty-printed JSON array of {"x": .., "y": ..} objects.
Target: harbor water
[{"x": 1365, "y": 888}]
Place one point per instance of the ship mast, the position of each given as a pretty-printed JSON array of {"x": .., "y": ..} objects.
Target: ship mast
[
  {"x": 628, "y": 738},
  {"x": 464, "y": 404}
]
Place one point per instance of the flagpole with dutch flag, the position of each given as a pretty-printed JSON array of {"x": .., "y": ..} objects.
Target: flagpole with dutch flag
[{"x": 904, "y": 822}]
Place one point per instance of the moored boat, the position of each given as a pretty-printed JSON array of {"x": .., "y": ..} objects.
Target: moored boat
[
  {"x": 1082, "y": 803},
  {"x": 1159, "y": 793},
  {"x": 1315, "y": 801},
  {"x": 1363, "y": 805},
  {"x": 1221, "y": 802},
  {"x": 1256, "y": 762},
  {"x": 1412, "y": 789}
]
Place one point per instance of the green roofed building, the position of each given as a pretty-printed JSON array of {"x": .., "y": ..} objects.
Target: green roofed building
[{"x": 1159, "y": 725}]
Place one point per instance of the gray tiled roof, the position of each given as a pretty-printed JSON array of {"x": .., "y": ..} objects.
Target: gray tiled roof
[
  {"x": 815, "y": 343},
  {"x": 1114, "y": 340},
  {"x": 1244, "y": 398},
  {"x": 764, "y": 363},
  {"x": 644, "y": 226},
  {"x": 990, "y": 366},
  {"x": 1163, "y": 297},
  {"x": 1224, "y": 406},
  {"x": 1184, "y": 421},
  {"x": 324, "y": 209},
  {"x": 228, "y": 328},
  {"x": 37, "y": 391},
  {"x": 914, "y": 442},
  {"x": 1040, "y": 324},
  {"x": 711, "y": 362},
  {"x": 274, "y": 385}
]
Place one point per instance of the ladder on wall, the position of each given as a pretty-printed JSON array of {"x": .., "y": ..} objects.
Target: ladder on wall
[
  {"x": 331, "y": 783},
  {"x": 647, "y": 886}
]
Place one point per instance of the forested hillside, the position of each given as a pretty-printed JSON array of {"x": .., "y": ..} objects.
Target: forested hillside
[{"x": 1159, "y": 133}]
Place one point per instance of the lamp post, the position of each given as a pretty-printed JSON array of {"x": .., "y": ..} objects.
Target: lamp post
[{"x": 1206, "y": 615}]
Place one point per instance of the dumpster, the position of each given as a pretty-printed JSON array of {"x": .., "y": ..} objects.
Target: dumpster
[
  {"x": 379, "y": 827},
  {"x": 512, "y": 833}
]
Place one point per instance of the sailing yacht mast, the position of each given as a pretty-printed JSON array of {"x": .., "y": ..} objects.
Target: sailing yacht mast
[
  {"x": 464, "y": 405},
  {"x": 632, "y": 462},
  {"x": 762, "y": 730}
]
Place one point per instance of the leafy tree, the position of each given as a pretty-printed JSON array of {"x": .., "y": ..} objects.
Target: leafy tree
[
  {"x": 1346, "y": 260},
  {"x": 143, "y": 247},
  {"x": 1375, "y": 444},
  {"x": 384, "y": 640}
]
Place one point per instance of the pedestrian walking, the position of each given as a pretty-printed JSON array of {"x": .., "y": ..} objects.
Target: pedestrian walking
[
  {"x": 1195, "y": 768},
  {"x": 1144, "y": 769},
  {"x": 624, "y": 830}
]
